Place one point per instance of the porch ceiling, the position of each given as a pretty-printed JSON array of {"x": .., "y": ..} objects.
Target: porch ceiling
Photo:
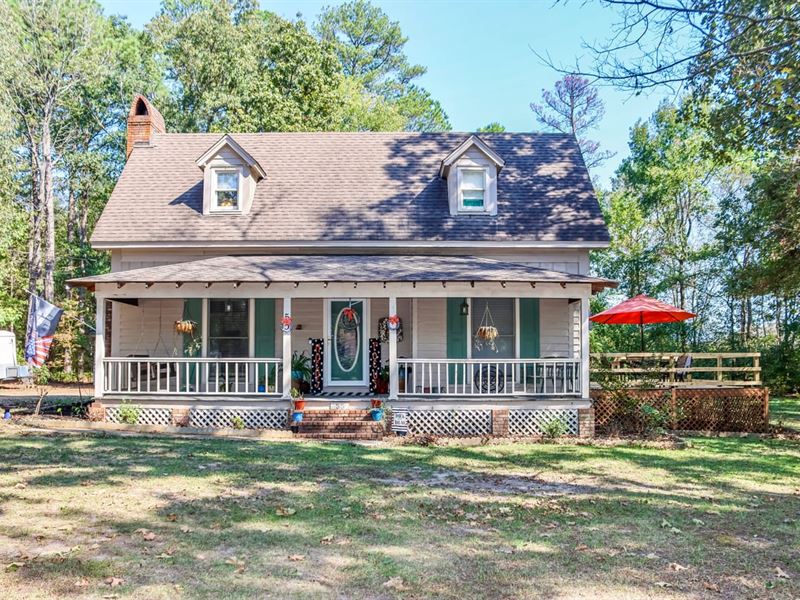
[{"x": 341, "y": 268}]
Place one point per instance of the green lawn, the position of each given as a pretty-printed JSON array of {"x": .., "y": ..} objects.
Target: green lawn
[
  {"x": 785, "y": 412},
  {"x": 176, "y": 518}
]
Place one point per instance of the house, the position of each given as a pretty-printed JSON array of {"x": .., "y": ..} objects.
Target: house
[{"x": 459, "y": 263}]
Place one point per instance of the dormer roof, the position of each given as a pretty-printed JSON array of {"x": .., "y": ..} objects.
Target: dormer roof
[
  {"x": 227, "y": 140},
  {"x": 471, "y": 141}
]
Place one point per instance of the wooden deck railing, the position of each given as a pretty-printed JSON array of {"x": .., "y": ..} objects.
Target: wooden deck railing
[
  {"x": 188, "y": 376},
  {"x": 669, "y": 368},
  {"x": 489, "y": 377}
]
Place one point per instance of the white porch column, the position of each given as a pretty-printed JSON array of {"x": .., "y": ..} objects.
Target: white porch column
[
  {"x": 287, "y": 351},
  {"x": 99, "y": 345},
  {"x": 585, "y": 347},
  {"x": 394, "y": 373}
]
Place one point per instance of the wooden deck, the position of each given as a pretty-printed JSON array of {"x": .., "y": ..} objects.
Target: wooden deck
[{"x": 666, "y": 369}]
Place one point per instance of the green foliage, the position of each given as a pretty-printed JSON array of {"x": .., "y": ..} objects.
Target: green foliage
[
  {"x": 129, "y": 413},
  {"x": 237, "y": 422},
  {"x": 370, "y": 49},
  {"x": 554, "y": 428},
  {"x": 493, "y": 127}
]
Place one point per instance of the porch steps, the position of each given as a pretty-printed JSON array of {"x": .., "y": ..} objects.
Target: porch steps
[{"x": 335, "y": 424}]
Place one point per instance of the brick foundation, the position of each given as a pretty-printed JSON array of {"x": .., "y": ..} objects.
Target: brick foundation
[
  {"x": 97, "y": 411},
  {"x": 500, "y": 422},
  {"x": 180, "y": 417},
  {"x": 586, "y": 422}
]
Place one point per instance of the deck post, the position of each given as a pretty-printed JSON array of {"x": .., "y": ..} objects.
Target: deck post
[
  {"x": 585, "y": 347},
  {"x": 287, "y": 351},
  {"x": 99, "y": 345},
  {"x": 394, "y": 373}
]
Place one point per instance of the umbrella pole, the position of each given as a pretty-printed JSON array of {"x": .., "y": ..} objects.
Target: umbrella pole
[{"x": 641, "y": 330}]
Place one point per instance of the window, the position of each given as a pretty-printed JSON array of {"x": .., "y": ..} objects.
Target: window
[
  {"x": 226, "y": 189},
  {"x": 228, "y": 328},
  {"x": 500, "y": 312},
  {"x": 473, "y": 190}
]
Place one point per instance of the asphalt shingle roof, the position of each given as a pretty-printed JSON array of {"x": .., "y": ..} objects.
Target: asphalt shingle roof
[
  {"x": 354, "y": 187},
  {"x": 340, "y": 268}
]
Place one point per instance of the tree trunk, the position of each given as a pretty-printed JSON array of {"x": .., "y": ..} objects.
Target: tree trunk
[
  {"x": 48, "y": 202},
  {"x": 35, "y": 239}
]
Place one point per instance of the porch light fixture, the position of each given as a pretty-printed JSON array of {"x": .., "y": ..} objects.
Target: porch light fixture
[
  {"x": 533, "y": 284},
  {"x": 563, "y": 285},
  {"x": 119, "y": 285},
  {"x": 297, "y": 284},
  {"x": 266, "y": 285},
  {"x": 178, "y": 284},
  {"x": 502, "y": 284},
  {"x": 236, "y": 284},
  {"x": 464, "y": 309},
  {"x": 147, "y": 286},
  {"x": 444, "y": 284}
]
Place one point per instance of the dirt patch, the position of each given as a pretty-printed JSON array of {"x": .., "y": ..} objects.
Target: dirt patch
[
  {"x": 664, "y": 442},
  {"x": 513, "y": 483}
]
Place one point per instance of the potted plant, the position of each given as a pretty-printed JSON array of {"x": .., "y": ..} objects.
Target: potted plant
[
  {"x": 382, "y": 384},
  {"x": 301, "y": 371},
  {"x": 262, "y": 387},
  {"x": 377, "y": 411},
  {"x": 298, "y": 403}
]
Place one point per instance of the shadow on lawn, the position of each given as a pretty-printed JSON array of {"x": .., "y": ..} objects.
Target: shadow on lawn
[{"x": 430, "y": 531}]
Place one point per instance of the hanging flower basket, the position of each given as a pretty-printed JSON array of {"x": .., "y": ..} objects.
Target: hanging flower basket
[
  {"x": 394, "y": 322},
  {"x": 185, "y": 327},
  {"x": 488, "y": 333},
  {"x": 286, "y": 324}
]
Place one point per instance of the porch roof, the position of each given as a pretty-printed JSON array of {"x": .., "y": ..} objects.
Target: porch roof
[{"x": 341, "y": 268}]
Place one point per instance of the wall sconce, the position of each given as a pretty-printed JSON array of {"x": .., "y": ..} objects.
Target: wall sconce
[{"x": 464, "y": 308}]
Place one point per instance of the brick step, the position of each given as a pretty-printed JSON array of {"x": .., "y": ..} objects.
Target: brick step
[
  {"x": 342, "y": 423},
  {"x": 336, "y": 413},
  {"x": 340, "y": 436},
  {"x": 314, "y": 419}
]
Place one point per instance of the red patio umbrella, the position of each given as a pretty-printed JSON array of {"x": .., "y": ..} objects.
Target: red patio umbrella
[{"x": 639, "y": 310}]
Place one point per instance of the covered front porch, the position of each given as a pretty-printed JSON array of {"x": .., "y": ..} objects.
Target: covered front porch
[{"x": 233, "y": 330}]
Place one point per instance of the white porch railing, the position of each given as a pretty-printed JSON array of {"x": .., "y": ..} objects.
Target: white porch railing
[
  {"x": 190, "y": 376},
  {"x": 490, "y": 377}
]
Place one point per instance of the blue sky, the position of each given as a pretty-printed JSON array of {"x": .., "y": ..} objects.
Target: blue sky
[{"x": 479, "y": 59}]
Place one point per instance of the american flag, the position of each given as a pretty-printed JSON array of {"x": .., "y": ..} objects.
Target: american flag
[{"x": 43, "y": 320}]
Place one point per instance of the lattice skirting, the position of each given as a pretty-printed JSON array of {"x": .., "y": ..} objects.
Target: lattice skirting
[
  {"x": 253, "y": 418},
  {"x": 450, "y": 422},
  {"x": 532, "y": 421},
  {"x": 147, "y": 416}
]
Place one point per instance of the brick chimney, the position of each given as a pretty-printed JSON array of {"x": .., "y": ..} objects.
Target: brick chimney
[{"x": 143, "y": 121}]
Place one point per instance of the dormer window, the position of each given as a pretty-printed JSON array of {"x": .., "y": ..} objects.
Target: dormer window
[
  {"x": 226, "y": 190},
  {"x": 472, "y": 190}
]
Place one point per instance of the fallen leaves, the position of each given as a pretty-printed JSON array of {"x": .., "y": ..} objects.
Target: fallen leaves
[
  {"x": 297, "y": 557},
  {"x": 395, "y": 583},
  {"x": 238, "y": 563},
  {"x": 676, "y": 567},
  {"x": 14, "y": 566},
  {"x": 327, "y": 540},
  {"x": 283, "y": 511},
  {"x": 712, "y": 587},
  {"x": 114, "y": 581},
  {"x": 781, "y": 574}
]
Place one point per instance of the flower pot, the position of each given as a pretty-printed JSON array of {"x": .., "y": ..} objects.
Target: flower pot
[
  {"x": 299, "y": 405},
  {"x": 382, "y": 386},
  {"x": 376, "y": 403},
  {"x": 262, "y": 388},
  {"x": 377, "y": 414},
  {"x": 297, "y": 416}
]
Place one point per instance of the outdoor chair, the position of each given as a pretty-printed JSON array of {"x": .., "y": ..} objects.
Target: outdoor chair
[{"x": 684, "y": 362}]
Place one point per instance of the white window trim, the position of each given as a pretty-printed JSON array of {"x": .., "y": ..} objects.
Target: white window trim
[
  {"x": 240, "y": 176},
  {"x": 472, "y": 209}
]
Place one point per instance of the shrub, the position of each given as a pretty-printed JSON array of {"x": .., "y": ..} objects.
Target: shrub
[
  {"x": 129, "y": 413},
  {"x": 237, "y": 422},
  {"x": 655, "y": 420},
  {"x": 554, "y": 428}
]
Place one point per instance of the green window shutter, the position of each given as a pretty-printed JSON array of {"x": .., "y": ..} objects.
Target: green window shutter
[
  {"x": 193, "y": 311},
  {"x": 265, "y": 338},
  {"x": 529, "y": 328},
  {"x": 457, "y": 336},
  {"x": 265, "y": 327}
]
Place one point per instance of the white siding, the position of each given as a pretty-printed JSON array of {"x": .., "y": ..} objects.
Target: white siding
[
  {"x": 379, "y": 308},
  {"x": 555, "y": 327},
  {"x": 308, "y": 314},
  {"x": 148, "y": 328},
  {"x": 432, "y": 326}
]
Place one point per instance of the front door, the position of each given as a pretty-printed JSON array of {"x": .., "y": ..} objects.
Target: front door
[{"x": 346, "y": 351}]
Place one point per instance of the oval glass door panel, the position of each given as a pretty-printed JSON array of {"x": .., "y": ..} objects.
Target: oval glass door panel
[{"x": 347, "y": 337}]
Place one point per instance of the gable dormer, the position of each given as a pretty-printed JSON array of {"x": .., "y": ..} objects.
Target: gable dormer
[
  {"x": 230, "y": 175},
  {"x": 471, "y": 173}
]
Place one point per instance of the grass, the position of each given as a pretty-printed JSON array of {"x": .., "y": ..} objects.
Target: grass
[
  {"x": 785, "y": 412},
  {"x": 174, "y": 518}
]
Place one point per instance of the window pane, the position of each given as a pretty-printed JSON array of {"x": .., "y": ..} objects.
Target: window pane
[
  {"x": 228, "y": 328},
  {"x": 227, "y": 180},
  {"x": 472, "y": 198},
  {"x": 501, "y": 311},
  {"x": 472, "y": 180},
  {"x": 227, "y": 199}
]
